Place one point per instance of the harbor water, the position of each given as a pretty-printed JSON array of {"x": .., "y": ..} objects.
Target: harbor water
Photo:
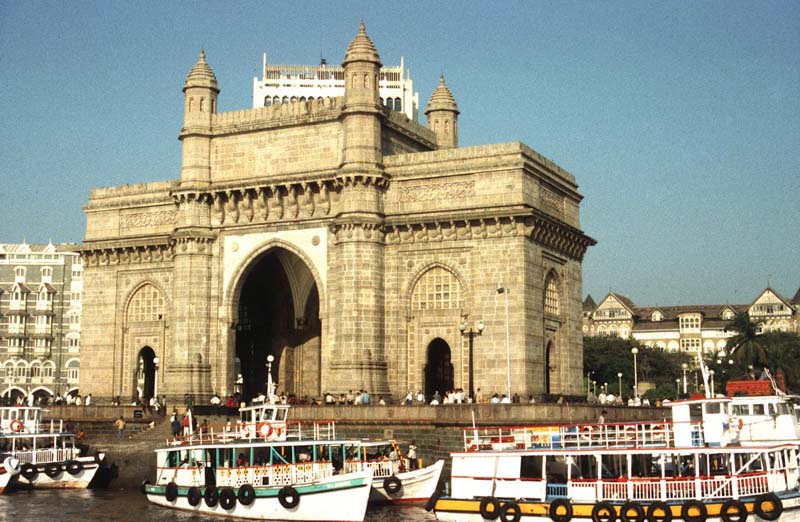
[{"x": 130, "y": 506}]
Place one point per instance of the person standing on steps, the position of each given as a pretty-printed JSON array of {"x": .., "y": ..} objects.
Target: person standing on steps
[{"x": 120, "y": 425}]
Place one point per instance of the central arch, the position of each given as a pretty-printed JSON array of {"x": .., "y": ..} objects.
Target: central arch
[
  {"x": 278, "y": 313},
  {"x": 439, "y": 369}
]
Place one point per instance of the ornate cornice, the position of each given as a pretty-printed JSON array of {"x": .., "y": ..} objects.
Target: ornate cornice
[{"x": 134, "y": 253}]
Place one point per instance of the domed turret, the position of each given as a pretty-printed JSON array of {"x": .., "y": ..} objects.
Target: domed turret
[
  {"x": 361, "y": 68},
  {"x": 361, "y": 49},
  {"x": 442, "y": 113},
  {"x": 201, "y": 75},
  {"x": 200, "y": 102}
]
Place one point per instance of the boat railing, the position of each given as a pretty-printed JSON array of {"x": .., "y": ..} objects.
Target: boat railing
[
  {"x": 276, "y": 431},
  {"x": 577, "y": 436},
  {"x": 380, "y": 468},
  {"x": 45, "y": 455},
  {"x": 272, "y": 475}
]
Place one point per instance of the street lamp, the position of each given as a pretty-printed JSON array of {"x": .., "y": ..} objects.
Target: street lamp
[
  {"x": 685, "y": 367},
  {"x": 594, "y": 387},
  {"x": 711, "y": 373},
  {"x": 155, "y": 377},
  {"x": 270, "y": 383},
  {"x": 605, "y": 388},
  {"x": 634, "y": 351},
  {"x": 677, "y": 387},
  {"x": 467, "y": 330},
  {"x": 619, "y": 376},
  {"x": 508, "y": 345}
]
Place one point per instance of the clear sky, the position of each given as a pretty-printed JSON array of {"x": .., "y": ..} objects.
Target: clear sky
[{"x": 680, "y": 120}]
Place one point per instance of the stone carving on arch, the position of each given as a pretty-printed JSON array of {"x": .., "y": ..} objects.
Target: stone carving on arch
[{"x": 466, "y": 295}]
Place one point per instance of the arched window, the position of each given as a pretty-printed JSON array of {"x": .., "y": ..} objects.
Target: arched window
[
  {"x": 366, "y": 81},
  {"x": 612, "y": 331},
  {"x": 552, "y": 300},
  {"x": 191, "y": 104},
  {"x": 48, "y": 369},
  {"x": 146, "y": 305},
  {"x": 202, "y": 104},
  {"x": 285, "y": 99},
  {"x": 21, "y": 371},
  {"x": 267, "y": 101},
  {"x": 73, "y": 370},
  {"x": 601, "y": 331},
  {"x": 624, "y": 332},
  {"x": 293, "y": 99},
  {"x": 446, "y": 127},
  {"x": 302, "y": 99},
  {"x": 398, "y": 105},
  {"x": 437, "y": 289},
  {"x": 276, "y": 100},
  {"x": 36, "y": 370}
]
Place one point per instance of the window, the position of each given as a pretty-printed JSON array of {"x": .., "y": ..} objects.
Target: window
[
  {"x": 36, "y": 370},
  {"x": 73, "y": 370},
  {"x": 19, "y": 274},
  {"x": 612, "y": 331},
  {"x": 438, "y": 288},
  {"x": 552, "y": 304},
  {"x": 657, "y": 316},
  {"x": 77, "y": 272},
  {"x": 47, "y": 273},
  {"x": 689, "y": 322},
  {"x": 690, "y": 345},
  {"x": 74, "y": 342},
  {"x": 389, "y": 104},
  {"x": 48, "y": 369},
  {"x": 146, "y": 305},
  {"x": 267, "y": 101}
]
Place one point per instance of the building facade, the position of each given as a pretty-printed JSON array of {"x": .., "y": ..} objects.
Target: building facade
[
  {"x": 687, "y": 328},
  {"x": 40, "y": 311},
  {"x": 300, "y": 83},
  {"x": 358, "y": 248}
]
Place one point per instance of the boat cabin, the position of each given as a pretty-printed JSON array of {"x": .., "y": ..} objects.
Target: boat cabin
[{"x": 20, "y": 419}]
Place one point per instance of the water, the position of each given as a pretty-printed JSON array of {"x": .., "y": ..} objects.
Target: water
[{"x": 131, "y": 506}]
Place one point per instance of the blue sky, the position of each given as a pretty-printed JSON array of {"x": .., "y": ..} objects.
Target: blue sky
[{"x": 680, "y": 120}]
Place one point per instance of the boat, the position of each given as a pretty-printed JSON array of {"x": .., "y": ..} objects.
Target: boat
[
  {"x": 686, "y": 468},
  {"x": 48, "y": 456},
  {"x": 8, "y": 470},
  {"x": 395, "y": 478},
  {"x": 263, "y": 467}
]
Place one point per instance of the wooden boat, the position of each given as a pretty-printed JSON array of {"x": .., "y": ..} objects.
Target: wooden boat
[
  {"x": 395, "y": 479},
  {"x": 48, "y": 456}
]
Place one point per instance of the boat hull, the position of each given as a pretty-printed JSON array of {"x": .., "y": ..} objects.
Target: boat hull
[
  {"x": 340, "y": 498},
  {"x": 469, "y": 510},
  {"x": 415, "y": 486},
  {"x": 64, "y": 478}
]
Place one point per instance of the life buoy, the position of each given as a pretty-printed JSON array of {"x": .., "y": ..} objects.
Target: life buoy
[
  {"x": 769, "y": 506},
  {"x": 560, "y": 510},
  {"x": 171, "y": 492},
  {"x": 700, "y": 515},
  {"x": 194, "y": 496},
  {"x": 227, "y": 498},
  {"x": 733, "y": 510},
  {"x": 52, "y": 470},
  {"x": 29, "y": 471},
  {"x": 211, "y": 496},
  {"x": 16, "y": 426},
  {"x": 392, "y": 485},
  {"x": 659, "y": 512},
  {"x": 264, "y": 429},
  {"x": 143, "y": 487},
  {"x": 246, "y": 494},
  {"x": 489, "y": 508},
  {"x": 603, "y": 512},
  {"x": 74, "y": 467},
  {"x": 510, "y": 512},
  {"x": 637, "y": 510},
  {"x": 288, "y": 497}
]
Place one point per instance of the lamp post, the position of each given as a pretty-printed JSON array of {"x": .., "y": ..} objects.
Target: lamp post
[
  {"x": 711, "y": 373},
  {"x": 605, "y": 388},
  {"x": 635, "y": 351},
  {"x": 594, "y": 387},
  {"x": 677, "y": 387},
  {"x": 685, "y": 367},
  {"x": 270, "y": 383},
  {"x": 619, "y": 376},
  {"x": 155, "y": 377},
  {"x": 505, "y": 291},
  {"x": 469, "y": 332}
]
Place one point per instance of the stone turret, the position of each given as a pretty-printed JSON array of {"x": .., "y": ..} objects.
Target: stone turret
[
  {"x": 200, "y": 102},
  {"x": 442, "y": 113}
]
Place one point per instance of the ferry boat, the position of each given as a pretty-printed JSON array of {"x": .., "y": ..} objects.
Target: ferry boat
[
  {"x": 395, "y": 478},
  {"x": 262, "y": 467},
  {"x": 687, "y": 468},
  {"x": 48, "y": 457}
]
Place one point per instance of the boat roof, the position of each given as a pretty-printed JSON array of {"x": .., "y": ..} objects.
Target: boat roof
[
  {"x": 244, "y": 443},
  {"x": 655, "y": 450}
]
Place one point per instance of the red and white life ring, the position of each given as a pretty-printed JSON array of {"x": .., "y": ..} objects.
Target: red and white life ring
[
  {"x": 264, "y": 429},
  {"x": 16, "y": 426}
]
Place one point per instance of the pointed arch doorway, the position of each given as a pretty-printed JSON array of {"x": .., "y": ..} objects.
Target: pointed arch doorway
[
  {"x": 145, "y": 374},
  {"x": 439, "y": 368}
]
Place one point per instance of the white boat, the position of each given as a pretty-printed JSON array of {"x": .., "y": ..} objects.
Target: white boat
[
  {"x": 48, "y": 456},
  {"x": 686, "y": 469},
  {"x": 395, "y": 478}
]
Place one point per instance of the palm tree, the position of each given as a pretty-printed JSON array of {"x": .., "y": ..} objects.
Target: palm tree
[{"x": 746, "y": 346}]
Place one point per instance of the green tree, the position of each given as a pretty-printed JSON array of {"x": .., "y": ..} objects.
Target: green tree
[{"x": 746, "y": 346}]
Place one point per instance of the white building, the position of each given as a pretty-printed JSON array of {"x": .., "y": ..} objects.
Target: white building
[{"x": 292, "y": 83}]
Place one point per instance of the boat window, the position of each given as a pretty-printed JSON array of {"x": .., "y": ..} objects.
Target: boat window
[
  {"x": 644, "y": 466},
  {"x": 282, "y": 414},
  {"x": 586, "y": 465},
  {"x": 696, "y": 412},
  {"x": 772, "y": 410},
  {"x": 716, "y": 465},
  {"x": 172, "y": 460},
  {"x": 783, "y": 409},
  {"x": 714, "y": 408},
  {"x": 531, "y": 467},
  {"x": 758, "y": 409},
  {"x": 741, "y": 409},
  {"x": 556, "y": 470},
  {"x": 614, "y": 466}
]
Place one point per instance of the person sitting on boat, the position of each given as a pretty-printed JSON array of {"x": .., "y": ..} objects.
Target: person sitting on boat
[{"x": 240, "y": 462}]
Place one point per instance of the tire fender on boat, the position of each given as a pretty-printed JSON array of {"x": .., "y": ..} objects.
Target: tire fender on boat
[
  {"x": 247, "y": 494},
  {"x": 625, "y": 512},
  {"x": 604, "y": 512},
  {"x": 484, "y": 508},
  {"x": 211, "y": 496},
  {"x": 553, "y": 511},
  {"x": 29, "y": 471},
  {"x": 654, "y": 508},
  {"x": 510, "y": 512},
  {"x": 288, "y": 497},
  {"x": 52, "y": 469},
  {"x": 194, "y": 496},
  {"x": 698, "y": 506},
  {"x": 733, "y": 510},
  {"x": 769, "y": 506},
  {"x": 227, "y": 498},
  {"x": 392, "y": 485},
  {"x": 74, "y": 467},
  {"x": 171, "y": 492}
]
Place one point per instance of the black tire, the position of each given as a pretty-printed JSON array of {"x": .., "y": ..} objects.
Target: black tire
[
  {"x": 733, "y": 510},
  {"x": 696, "y": 505},
  {"x": 194, "y": 496},
  {"x": 431, "y": 503},
  {"x": 211, "y": 496},
  {"x": 52, "y": 470},
  {"x": 246, "y": 495},
  {"x": 764, "y": 501},
  {"x": 227, "y": 498},
  {"x": 510, "y": 512},
  {"x": 171, "y": 492},
  {"x": 288, "y": 497},
  {"x": 554, "y": 508},
  {"x": 495, "y": 508},
  {"x": 604, "y": 512},
  {"x": 659, "y": 512},
  {"x": 627, "y": 507},
  {"x": 29, "y": 471},
  {"x": 392, "y": 485},
  {"x": 74, "y": 467},
  {"x": 143, "y": 487}
]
